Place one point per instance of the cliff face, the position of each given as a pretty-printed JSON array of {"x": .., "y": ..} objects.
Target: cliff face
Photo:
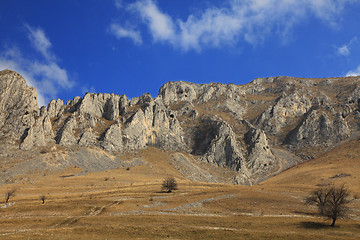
[
  {"x": 253, "y": 129},
  {"x": 18, "y": 106}
]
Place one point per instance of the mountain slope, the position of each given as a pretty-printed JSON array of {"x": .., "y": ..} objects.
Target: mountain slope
[
  {"x": 254, "y": 131},
  {"x": 339, "y": 165}
]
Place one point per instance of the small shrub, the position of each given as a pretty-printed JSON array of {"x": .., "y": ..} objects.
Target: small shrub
[
  {"x": 42, "y": 198},
  {"x": 169, "y": 184}
]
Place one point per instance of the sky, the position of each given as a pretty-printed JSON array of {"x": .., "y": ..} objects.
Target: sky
[{"x": 66, "y": 48}]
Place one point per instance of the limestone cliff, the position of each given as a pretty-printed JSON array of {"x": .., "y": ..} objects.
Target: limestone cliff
[{"x": 238, "y": 127}]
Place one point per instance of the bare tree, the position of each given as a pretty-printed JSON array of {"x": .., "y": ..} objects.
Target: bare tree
[
  {"x": 331, "y": 201},
  {"x": 9, "y": 194},
  {"x": 169, "y": 184},
  {"x": 319, "y": 198}
]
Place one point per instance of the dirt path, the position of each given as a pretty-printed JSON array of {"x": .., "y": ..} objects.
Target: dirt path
[
  {"x": 94, "y": 211},
  {"x": 199, "y": 203}
]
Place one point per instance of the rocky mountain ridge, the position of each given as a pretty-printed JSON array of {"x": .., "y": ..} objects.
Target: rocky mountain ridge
[{"x": 254, "y": 130}]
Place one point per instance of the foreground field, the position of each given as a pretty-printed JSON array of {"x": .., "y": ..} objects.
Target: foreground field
[
  {"x": 196, "y": 211},
  {"x": 127, "y": 203}
]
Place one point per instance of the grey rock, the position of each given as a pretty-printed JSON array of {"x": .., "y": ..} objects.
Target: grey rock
[
  {"x": 55, "y": 108},
  {"x": 113, "y": 139},
  {"x": 318, "y": 129},
  {"x": 88, "y": 138},
  {"x": 224, "y": 149},
  {"x": 65, "y": 135},
  {"x": 18, "y": 106},
  {"x": 286, "y": 109},
  {"x": 39, "y": 134},
  {"x": 143, "y": 101},
  {"x": 102, "y": 105},
  {"x": 187, "y": 109},
  {"x": 260, "y": 155},
  {"x": 134, "y": 133},
  {"x": 177, "y": 91}
]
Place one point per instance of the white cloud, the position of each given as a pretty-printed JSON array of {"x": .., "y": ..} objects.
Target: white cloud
[
  {"x": 40, "y": 42},
  {"x": 121, "y": 32},
  {"x": 53, "y": 73},
  {"x": 247, "y": 20},
  {"x": 161, "y": 25},
  {"x": 214, "y": 27},
  {"x": 344, "y": 50},
  {"x": 44, "y": 74},
  {"x": 355, "y": 72}
]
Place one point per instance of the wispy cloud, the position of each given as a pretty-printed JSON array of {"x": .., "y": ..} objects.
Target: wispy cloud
[
  {"x": 121, "y": 32},
  {"x": 40, "y": 42},
  {"x": 350, "y": 48},
  {"x": 44, "y": 73},
  {"x": 236, "y": 20},
  {"x": 345, "y": 49},
  {"x": 160, "y": 24},
  {"x": 355, "y": 72},
  {"x": 118, "y": 3}
]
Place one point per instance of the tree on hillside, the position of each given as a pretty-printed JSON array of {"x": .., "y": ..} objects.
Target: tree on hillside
[
  {"x": 42, "y": 198},
  {"x": 9, "y": 194},
  {"x": 331, "y": 201},
  {"x": 319, "y": 198},
  {"x": 169, "y": 184}
]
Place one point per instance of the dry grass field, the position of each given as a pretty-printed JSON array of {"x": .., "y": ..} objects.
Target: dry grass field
[{"x": 127, "y": 203}]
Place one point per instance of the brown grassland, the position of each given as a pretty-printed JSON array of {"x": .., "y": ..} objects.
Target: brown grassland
[{"x": 127, "y": 203}]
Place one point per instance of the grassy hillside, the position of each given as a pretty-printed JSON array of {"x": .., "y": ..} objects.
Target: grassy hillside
[
  {"x": 127, "y": 203},
  {"x": 340, "y": 165}
]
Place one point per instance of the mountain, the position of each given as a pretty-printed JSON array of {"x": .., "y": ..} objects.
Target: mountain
[{"x": 240, "y": 134}]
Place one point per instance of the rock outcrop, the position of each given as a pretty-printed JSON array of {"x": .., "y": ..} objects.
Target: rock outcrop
[
  {"x": 224, "y": 150},
  {"x": 173, "y": 92},
  {"x": 319, "y": 129},
  {"x": 260, "y": 157},
  {"x": 18, "y": 106},
  {"x": 229, "y": 126},
  {"x": 39, "y": 134},
  {"x": 286, "y": 109}
]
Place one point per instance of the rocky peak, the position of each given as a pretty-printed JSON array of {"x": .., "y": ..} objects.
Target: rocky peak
[
  {"x": 102, "y": 105},
  {"x": 172, "y": 92},
  {"x": 248, "y": 129}
]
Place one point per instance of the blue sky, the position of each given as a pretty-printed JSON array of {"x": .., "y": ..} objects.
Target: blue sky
[{"x": 66, "y": 48}]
